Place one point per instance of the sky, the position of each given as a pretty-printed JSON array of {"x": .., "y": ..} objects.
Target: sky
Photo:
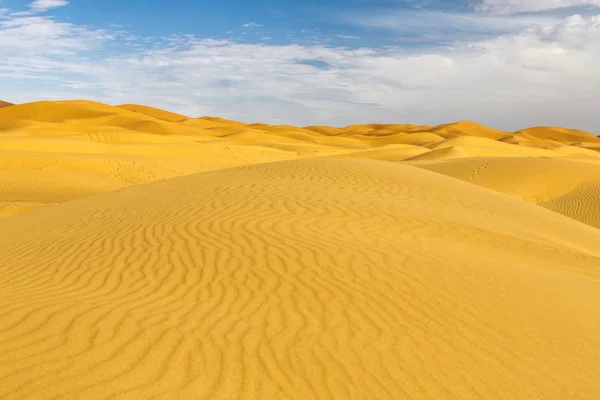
[{"x": 509, "y": 64}]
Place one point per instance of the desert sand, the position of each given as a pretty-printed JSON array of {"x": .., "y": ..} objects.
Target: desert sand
[{"x": 150, "y": 255}]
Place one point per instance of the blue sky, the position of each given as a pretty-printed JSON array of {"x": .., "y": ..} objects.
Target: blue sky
[{"x": 504, "y": 63}]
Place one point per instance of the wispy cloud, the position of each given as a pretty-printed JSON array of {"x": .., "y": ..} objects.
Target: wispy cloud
[
  {"x": 252, "y": 25},
  {"x": 522, "y": 6},
  {"x": 347, "y": 36},
  {"x": 41, "y": 34},
  {"x": 450, "y": 24},
  {"x": 45, "y": 5}
]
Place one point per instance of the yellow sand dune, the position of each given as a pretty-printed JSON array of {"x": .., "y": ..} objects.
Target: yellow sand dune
[
  {"x": 136, "y": 122},
  {"x": 255, "y": 134},
  {"x": 482, "y": 146},
  {"x": 565, "y": 186},
  {"x": 52, "y": 129},
  {"x": 78, "y": 114},
  {"x": 200, "y": 123},
  {"x": 154, "y": 112},
  {"x": 443, "y": 153},
  {"x": 129, "y": 137},
  {"x": 64, "y": 169},
  {"x": 384, "y": 129},
  {"x": 559, "y": 134},
  {"x": 326, "y": 130},
  {"x": 530, "y": 141},
  {"x": 56, "y": 111},
  {"x": 398, "y": 152},
  {"x": 8, "y": 208},
  {"x": 590, "y": 146},
  {"x": 581, "y": 204},
  {"x": 5, "y": 104},
  {"x": 580, "y": 153},
  {"x": 468, "y": 128},
  {"x": 377, "y": 261},
  {"x": 313, "y": 279},
  {"x": 216, "y": 122},
  {"x": 9, "y": 125},
  {"x": 51, "y": 186},
  {"x": 46, "y": 178},
  {"x": 155, "y": 137},
  {"x": 273, "y": 138},
  {"x": 419, "y": 138}
]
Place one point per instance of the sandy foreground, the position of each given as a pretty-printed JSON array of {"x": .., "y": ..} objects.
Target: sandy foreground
[{"x": 145, "y": 254}]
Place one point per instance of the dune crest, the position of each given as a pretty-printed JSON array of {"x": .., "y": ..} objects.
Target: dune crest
[{"x": 154, "y": 112}]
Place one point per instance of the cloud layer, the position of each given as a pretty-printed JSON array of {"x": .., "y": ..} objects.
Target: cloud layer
[
  {"x": 520, "y": 6},
  {"x": 541, "y": 74},
  {"x": 45, "y": 5}
]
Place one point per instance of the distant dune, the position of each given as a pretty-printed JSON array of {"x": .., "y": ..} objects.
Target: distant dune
[
  {"x": 147, "y": 254},
  {"x": 78, "y": 148},
  {"x": 558, "y": 134},
  {"x": 154, "y": 112},
  {"x": 5, "y": 104}
]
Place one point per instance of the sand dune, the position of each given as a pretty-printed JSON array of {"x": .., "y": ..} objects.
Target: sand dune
[
  {"x": 322, "y": 278},
  {"x": 131, "y": 144},
  {"x": 559, "y": 134},
  {"x": 154, "y": 112},
  {"x": 569, "y": 187},
  {"x": 147, "y": 254},
  {"x": 5, "y": 104}
]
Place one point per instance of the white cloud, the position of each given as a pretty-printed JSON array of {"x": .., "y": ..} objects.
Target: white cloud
[
  {"x": 446, "y": 24},
  {"x": 542, "y": 74},
  {"x": 22, "y": 14},
  {"x": 41, "y": 34},
  {"x": 45, "y": 5},
  {"x": 510, "y": 82},
  {"x": 252, "y": 25},
  {"x": 520, "y": 6}
]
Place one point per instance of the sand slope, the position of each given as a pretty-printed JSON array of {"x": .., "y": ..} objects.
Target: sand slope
[
  {"x": 314, "y": 279},
  {"x": 154, "y": 112},
  {"x": 5, "y": 104},
  {"x": 569, "y": 187},
  {"x": 77, "y": 148},
  {"x": 559, "y": 134}
]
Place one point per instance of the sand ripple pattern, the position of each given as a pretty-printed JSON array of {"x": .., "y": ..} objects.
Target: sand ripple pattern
[
  {"x": 312, "y": 279},
  {"x": 581, "y": 204}
]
